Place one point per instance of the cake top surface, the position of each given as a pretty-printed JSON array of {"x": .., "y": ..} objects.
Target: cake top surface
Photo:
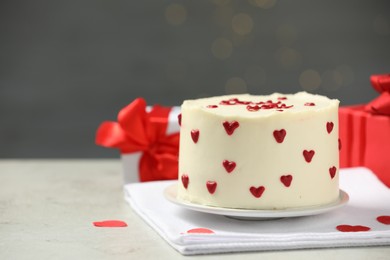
[{"x": 246, "y": 105}]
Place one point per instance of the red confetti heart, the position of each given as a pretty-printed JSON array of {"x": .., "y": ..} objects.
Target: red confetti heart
[
  {"x": 332, "y": 171},
  {"x": 257, "y": 192},
  {"x": 110, "y": 223},
  {"x": 349, "y": 228},
  {"x": 229, "y": 165},
  {"x": 185, "y": 180},
  {"x": 179, "y": 119},
  {"x": 329, "y": 127},
  {"x": 200, "y": 231},
  {"x": 195, "y": 135},
  {"x": 279, "y": 135},
  {"x": 308, "y": 155},
  {"x": 230, "y": 127},
  {"x": 310, "y": 104},
  {"x": 339, "y": 144},
  {"x": 211, "y": 186},
  {"x": 212, "y": 106},
  {"x": 384, "y": 219},
  {"x": 286, "y": 180}
]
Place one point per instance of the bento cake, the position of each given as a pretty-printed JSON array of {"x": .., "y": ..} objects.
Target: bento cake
[{"x": 259, "y": 152}]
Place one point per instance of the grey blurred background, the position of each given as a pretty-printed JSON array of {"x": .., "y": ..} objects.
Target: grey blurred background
[{"x": 66, "y": 66}]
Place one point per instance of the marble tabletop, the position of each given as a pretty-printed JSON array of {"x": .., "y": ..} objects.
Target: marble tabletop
[{"x": 47, "y": 208}]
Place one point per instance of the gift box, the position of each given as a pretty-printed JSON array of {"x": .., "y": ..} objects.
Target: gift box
[
  {"x": 365, "y": 132},
  {"x": 147, "y": 138}
]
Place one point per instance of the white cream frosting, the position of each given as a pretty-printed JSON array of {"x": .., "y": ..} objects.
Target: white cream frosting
[{"x": 260, "y": 160}]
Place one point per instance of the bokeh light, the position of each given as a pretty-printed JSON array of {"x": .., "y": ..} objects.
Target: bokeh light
[
  {"x": 310, "y": 80},
  {"x": 242, "y": 24},
  {"x": 222, "y": 48},
  {"x": 288, "y": 58},
  {"x": 347, "y": 74},
  {"x": 175, "y": 14},
  {"x": 235, "y": 85},
  {"x": 332, "y": 80}
]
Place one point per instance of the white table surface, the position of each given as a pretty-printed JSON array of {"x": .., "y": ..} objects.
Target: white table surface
[{"x": 47, "y": 208}]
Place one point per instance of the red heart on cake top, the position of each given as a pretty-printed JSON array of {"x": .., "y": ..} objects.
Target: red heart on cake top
[
  {"x": 211, "y": 186},
  {"x": 332, "y": 171},
  {"x": 384, "y": 220},
  {"x": 195, "y": 135},
  {"x": 279, "y": 135},
  {"x": 286, "y": 180},
  {"x": 185, "y": 180},
  {"x": 229, "y": 165},
  {"x": 230, "y": 127},
  {"x": 257, "y": 192},
  {"x": 308, "y": 155},
  {"x": 329, "y": 127},
  {"x": 349, "y": 228}
]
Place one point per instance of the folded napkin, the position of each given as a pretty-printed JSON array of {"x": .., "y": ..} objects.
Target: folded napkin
[{"x": 364, "y": 221}]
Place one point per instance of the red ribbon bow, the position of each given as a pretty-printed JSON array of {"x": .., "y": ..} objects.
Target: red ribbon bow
[
  {"x": 380, "y": 105},
  {"x": 138, "y": 130}
]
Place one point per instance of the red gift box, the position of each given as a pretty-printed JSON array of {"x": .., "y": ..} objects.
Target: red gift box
[
  {"x": 148, "y": 139},
  {"x": 365, "y": 132}
]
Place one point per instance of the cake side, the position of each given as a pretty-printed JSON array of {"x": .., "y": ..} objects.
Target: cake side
[{"x": 259, "y": 152}]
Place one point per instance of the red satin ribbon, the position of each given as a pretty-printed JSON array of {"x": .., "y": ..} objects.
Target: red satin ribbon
[
  {"x": 141, "y": 131},
  {"x": 380, "y": 105}
]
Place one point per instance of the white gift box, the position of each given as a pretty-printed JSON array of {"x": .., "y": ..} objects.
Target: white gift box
[{"x": 130, "y": 161}]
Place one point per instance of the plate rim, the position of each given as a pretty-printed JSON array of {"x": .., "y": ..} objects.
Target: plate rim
[{"x": 170, "y": 193}]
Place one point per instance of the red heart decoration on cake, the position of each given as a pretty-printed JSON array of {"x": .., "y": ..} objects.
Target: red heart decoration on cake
[
  {"x": 229, "y": 165},
  {"x": 339, "y": 144},
  {"x": 308, "y": 155},
  {"x": 384, "y": 219},
  {"x": 349, "y": 228},
  {"x": 230, "y": 126},
  {"x": 332, "y": 171},
  {"x": 329, "y": 127},
  {"x": 286, "y": 180},
  {"x": 211, "y": 186},
  {"x": 195, "y": 135},
  {"x": 179, "y": 119},
  {"x": 185, "y": 180},
  {"x": 257, "y": 192},
  {"x": 279, "y": 135},
  {"x": 110, "y": 223}
]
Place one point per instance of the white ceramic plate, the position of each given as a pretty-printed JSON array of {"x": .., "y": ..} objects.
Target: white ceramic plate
[{"x": 248, "y": 214}]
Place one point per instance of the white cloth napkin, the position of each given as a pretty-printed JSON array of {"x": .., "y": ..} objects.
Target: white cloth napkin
[{"x": 369, "y": 199}]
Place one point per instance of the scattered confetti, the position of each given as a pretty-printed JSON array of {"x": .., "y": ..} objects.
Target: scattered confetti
[
  {"x": 349, "y": 228},
  {"x": 384, "y": 220},
  {"x": 200, "y": 231},
  {"x": 110, "y": 223}
]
